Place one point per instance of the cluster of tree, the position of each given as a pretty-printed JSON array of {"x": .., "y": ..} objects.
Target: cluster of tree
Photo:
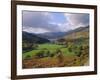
[
  {"x": 28, "y": 57},
  {"x": 78, "y": 50},
  {"x": 28, "y": 46},
  {"x": 46, "y": 53},
  {"x": 43, "y": 53}
]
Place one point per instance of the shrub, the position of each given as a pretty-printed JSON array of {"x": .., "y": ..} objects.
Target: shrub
[
  {"x": 39, "y": 54},
  {"x": 52, "y": 55},
  {"x": 43, "y": 53},
  {"x": 58, "y": 50},
  {"x": 46, "y": 53},
  {"x": 28, "y": 57},
  {"x": 69, "y": 49}
]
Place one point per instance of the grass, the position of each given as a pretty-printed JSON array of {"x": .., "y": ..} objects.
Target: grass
[
  {"x": 30, "y": 53},
  {"x": 51, "y": 47},
  {"x": 66, "y": 52},
  {"x": 68, "y": 58},
  {"x": 47, "y": 62}
]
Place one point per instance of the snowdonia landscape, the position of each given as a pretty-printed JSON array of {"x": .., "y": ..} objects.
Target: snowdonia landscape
[
  {"x": 50, "y": 45},
  {"x": 69, "y": 49}
]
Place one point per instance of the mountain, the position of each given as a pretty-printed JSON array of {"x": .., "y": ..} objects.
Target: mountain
[
  {"x": 32, "y": 38},
  {"x": 81, "y": 32},
  {"x": 46, "y": 37},
  {"x": 78, "y": 36},
  {"x": 57, "y": 35},
  {"x": 51, "y": 35}
]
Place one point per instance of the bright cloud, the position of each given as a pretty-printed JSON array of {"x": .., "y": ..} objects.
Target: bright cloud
[{"x": 77, "y": 19}]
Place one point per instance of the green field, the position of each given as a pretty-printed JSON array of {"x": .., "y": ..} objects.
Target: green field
[{"x": 50, "y": 47}]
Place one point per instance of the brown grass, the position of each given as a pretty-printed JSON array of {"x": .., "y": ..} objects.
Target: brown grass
[{"x": 55, "y": 61}]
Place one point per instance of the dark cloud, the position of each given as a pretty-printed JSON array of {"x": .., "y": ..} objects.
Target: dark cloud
[{"x": 38, "y": 20}]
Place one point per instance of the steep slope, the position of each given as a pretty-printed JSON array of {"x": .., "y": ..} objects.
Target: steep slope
[
  {"x": 30, "y": 41},
  {"x": 82, "y": 32},
  {"x": 79, "y": 35},
  {"x": 32, "y": 38}
]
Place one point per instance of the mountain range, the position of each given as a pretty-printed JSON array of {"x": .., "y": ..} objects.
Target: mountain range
[
  {"x": 57, "y": 35},
  {"x": 46, "y": 37}
]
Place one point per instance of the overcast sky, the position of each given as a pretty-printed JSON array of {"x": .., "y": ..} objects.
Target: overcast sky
[{"x": 40, "y": 22}]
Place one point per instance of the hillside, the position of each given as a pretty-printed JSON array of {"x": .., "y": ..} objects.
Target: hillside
[
  {"x": 30, "y": 41},
  {"x": 82, "y": 32},
  {"x": 32, "y": 38},
  {"x": 79, "y": 33}
]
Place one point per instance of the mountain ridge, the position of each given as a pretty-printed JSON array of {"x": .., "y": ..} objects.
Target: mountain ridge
[
  {"x": 57, "y": 35},
  {"x": 32, "y": 38}
]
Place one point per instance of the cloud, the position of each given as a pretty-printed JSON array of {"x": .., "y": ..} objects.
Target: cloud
[
  {"x": 77, "y": 19},
  {"x": 35, "y": 30},
  {"x": 32, "y": 19},
  {"x": 39, "y": 22}
]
